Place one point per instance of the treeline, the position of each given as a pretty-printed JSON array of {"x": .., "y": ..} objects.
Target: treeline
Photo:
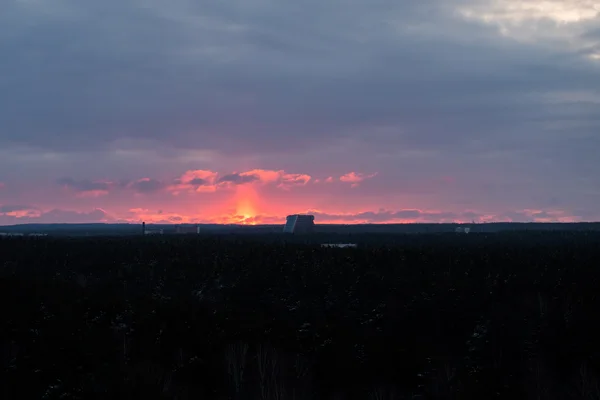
[
  {"x": 231, "y": 317},
  {"x": 323, "y": 230}
]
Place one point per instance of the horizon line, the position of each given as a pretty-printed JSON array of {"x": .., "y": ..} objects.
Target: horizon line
[{"x": 346, "y": 224}]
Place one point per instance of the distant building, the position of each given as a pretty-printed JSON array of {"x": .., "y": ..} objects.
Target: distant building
[
  {"x": 146, "y": 231},
  {"x": 187, "y": 229},
  {"x": 462, "y": 229},
  {"x": 298, "y": 223},
  {"x": 339, "y": 245}
]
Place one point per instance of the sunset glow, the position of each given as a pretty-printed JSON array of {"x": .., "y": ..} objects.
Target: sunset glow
[
  {"x": 354, "y": 111},
  {"x": 246, "y": 200},
  {"x": 253, "y": 197}
]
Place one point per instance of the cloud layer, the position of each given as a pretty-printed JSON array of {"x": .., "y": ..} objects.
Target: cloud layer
[{"x": 484, "y": 106}]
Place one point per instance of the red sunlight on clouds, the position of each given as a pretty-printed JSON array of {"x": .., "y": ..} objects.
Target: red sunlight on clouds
[
  {"x": 355, "y": 178},
  {"x": 283, "y": 179},
  {"x": 92, "y": 193},
  {"x": 247, "y": 201},
  {"x": 263, "y": 175},
  {"x": 194, "y": 181},
  {"x": 203, "y": 181},
  {"x": 247, "y": 212},
  {"x": 256, "y": 196},
  {"x": 24, "y": 213}
]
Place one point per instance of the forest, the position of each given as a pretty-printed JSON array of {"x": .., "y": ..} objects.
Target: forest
[{"x": 509, "y": 315}]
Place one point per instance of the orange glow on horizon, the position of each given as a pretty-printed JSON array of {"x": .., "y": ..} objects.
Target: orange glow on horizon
[
  {"x": 246, "y": 210},
  {"x": 256, "y": 197},
  {"x": 246, "y": 203}
]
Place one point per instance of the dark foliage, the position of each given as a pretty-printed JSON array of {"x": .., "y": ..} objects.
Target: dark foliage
[{"x": 508, "y": 315}]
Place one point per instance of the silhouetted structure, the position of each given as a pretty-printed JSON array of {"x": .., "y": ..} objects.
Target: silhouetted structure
[
  {"x": 187, "y": 229},
  {"x": 299, "y": 224}
]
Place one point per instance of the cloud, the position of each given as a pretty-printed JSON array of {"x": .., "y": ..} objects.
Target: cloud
[
  {"x": 19, "y": 211},
  {"x": 280, "y": 178},
  {"x": 198, "y": 182},
  {"x": 433, "y": 216},
  {"x": 136, "y": 215},
  {"x": 387, "y": 216},
  {"x": 70, "y": 216},
  {"x": 355, "y": 178},
  {"x": 238, "y": 179},
  {"x": 363, "y": 217},
  {"x": 8, "y": 208},
  {"x": 210, "y": 181},
  {"x": 287, "y": 93},
  {"x": 289, "y": 180},
  {"x": 565, "y": 24},
  {"x": 85, "y": 185},
  {"x": 560, "y": 12},
  {"x": 194, "y": 181},
  {"x": 148, "y": 185},
  {"x": 17, "y": 214},
  {"x": 264, "y": 176},
  {"x": 20, "y": 214},
  {"x": 87, "y": 188}
]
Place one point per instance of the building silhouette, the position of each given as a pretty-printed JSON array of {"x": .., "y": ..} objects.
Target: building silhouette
[
  {"x": 298, "y": 223},
  {"x": 187, "y": 229}
]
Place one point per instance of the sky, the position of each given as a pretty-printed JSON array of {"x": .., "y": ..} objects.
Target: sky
[{"x": 244, "y": 111}]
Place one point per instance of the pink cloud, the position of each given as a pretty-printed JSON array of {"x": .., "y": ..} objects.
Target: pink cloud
[
  {"x": 19, "y": 211},
  {"x": 288, "y": 180},
  {"x": 194, "y": 181},
  {"x": 136, "y": 215},
  {"x": 92, "y": 193},
  {"x": 19, "y": 214},
  {"x": 191, "y": 181},
  {"x": 280, "y": 177},
  {"x": 15, "y": 214},
  {"x": 355, "y": 178},
  {"x": 264, "y": 175},
  {"x": 210, "y": 181}
]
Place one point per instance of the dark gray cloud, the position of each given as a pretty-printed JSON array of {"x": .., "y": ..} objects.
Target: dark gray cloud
[
  {"x": 85, "y": 185},
  {"x": 198, "y": 182},
  {"x": 267, "y": 76},
  {"x": 68, "y": 216},
  {"x": 144, "y": 185},
  {"x": 238, "y": 179},
  {"x": 147, "y": 185}
]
